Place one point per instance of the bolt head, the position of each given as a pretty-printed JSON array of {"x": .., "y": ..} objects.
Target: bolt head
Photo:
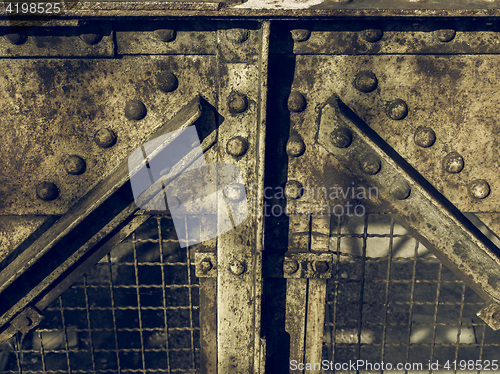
[
  {"x": 453, "y": 163},
  {"x": 365, "y": 81},
  {"x": 479, "y": 189},
  {"x": 320, "y": 266},
  {"x": 237, "y": 267},
  {"x": 300, "y": 35},
  {"x": 372, "y": 35},
  {"x": 296, "y": 102},
  {"x": 237, "y": 35},
  {"x": 370, "y": 165},
  {"x": 166, "y": 81},
  {"x": 47, "y": 191},
  {"x": 290, "y": 266},
  {"x": 105, "y": 138},
  {"x": 424, "y": 137},
  {"x": 237, "y": 103},
  {"x": 74, "y": 165},
  {"x": 135, "y": 110},
  {"x": 237, "y": 146},
  {"x": 341, "y": 137},
  {"x": 295, "y": 146},
  {"x": 16, "y": 38},
  {"x": 400, "y": 190},
  {"x": 166, "y": 35},
  {"x": 294, "y": 189},
  {"x": 397, "y": 109},
  {"x": 234, "y": 192},
  {"x": 445, "y": 35},
  {"x": 206, "y": 265}
]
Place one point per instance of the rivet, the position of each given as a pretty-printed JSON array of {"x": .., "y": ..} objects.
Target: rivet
[
  {"x": 47, "y": 191},
  {"x": 234, "y": 192},
  {"x": 479, "y": 188},
  {"x": 365, "y": 81},
  {"x": 341, "y": 137},
  {"x": 206, "y": 265},
  {"x": 296, "y": 102},
  {"x": 295, "y": 146},
  {"x": 320, "y": 266},
  {"x": 166, "y": 35},
  {"x": 237, "y": 146},
  {"x": 372, "y": 35},
  {"x": 453, "y": 163},
  {"x": 424, "y": 136},
  {"x": 105, "y": 138},
  {"x": 397, "y": 109},
  {"x": 91, "y": 38},
  {"x": 237, "y": 103},
  {"x": 293, "y": 189},
  {"x": 400, "y": 190},
  {"x": 166, "y": 81},
  {"x": 237, "y": 35},
  {"x": 370, "y": 165},
  {"x": 237, "y": 267},
  {"x": 16, "y": 38},
  {"x": 290, "y": 266},
  {"x": 445, "y": 35},
  {"x": 300, "y": 35},
  {"x": 74, "y": 165},
  {"x": 135, "y": 110}
]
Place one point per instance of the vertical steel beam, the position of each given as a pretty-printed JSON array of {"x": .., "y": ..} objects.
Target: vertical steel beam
[{"x": 242, "y": 73}]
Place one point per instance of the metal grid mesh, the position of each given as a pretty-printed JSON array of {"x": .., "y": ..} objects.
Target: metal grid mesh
[
  {"x": 135, "y": 312},
  {"x": 393, "y": 301}
]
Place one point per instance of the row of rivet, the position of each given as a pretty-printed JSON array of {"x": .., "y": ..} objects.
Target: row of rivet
[
  {"x": 425, "y": 137},
  {"x": 342, "y": 138},
  {"x": 236, "y": 35},
  {"x": 291, "y": 266},
  {"x": 105, "y": 137},
  {"x": 373, "y": 35}
]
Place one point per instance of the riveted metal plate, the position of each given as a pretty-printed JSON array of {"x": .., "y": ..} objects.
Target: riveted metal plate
[
  {"x": 54, "y": 108},
  {"x": 59, "y": 42},
  {"x": 455, "y": 240},
  {"x": 167, "y": 37},
  {"x": 389, "y": 37},
  {"x": 453, "y": 95}
]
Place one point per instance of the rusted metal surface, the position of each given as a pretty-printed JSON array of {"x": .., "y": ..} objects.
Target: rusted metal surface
[
  {"x": 438, "y": 93},
  {"x": 60, "y": 105},
  {"x": 50, "y": 259},
  {"x": 456, "y": 241}
]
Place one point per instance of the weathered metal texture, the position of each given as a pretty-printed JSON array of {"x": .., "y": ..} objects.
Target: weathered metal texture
[
  {"x": 103, "y": 218},
  {"x": 289, "y": 8},
  {"x": 15, "y": 229},
  {"x": 242, "y": 89},
  {"x": 83, "y": 41},
  {"x": 61, "y": 107},
  {"x": 436, "y": 222},
  {"x": 425, "y": 36},
  {"x": 167, "y": 37},
  {"x": 452, "y": 95}
]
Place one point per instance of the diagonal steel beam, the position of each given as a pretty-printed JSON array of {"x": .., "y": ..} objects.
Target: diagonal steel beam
[{"x": 421, "y": 208}]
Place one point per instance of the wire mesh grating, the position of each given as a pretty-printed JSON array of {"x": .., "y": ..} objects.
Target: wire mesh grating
[
  {"x": 393, "y": 301},
  {"x": 135, "y": 312}
]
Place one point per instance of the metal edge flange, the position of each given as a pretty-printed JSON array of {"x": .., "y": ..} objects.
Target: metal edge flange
[
  {"x": 428, "y": 215},
  {"x": 308, "y": 265},
  {"x": 491, "y": 315},
  {"x": 206, "y": 264}
]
